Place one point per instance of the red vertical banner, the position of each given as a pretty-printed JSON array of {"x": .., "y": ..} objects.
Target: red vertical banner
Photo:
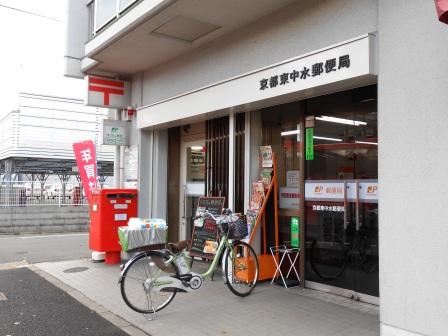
[
  {"x": 86, "y": 160},
  {"x": 442, "y": 10}
]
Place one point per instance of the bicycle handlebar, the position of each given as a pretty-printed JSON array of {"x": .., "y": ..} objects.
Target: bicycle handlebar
[{"x": 205, "y": 213}]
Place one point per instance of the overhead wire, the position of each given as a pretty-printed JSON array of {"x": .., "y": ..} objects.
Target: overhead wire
[{"x": 31, "y": 13}]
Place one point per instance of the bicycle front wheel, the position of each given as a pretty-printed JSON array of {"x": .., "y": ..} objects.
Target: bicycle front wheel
[
  {"x": 137, "y": 282},
  {"x": 241, "y": 268}
]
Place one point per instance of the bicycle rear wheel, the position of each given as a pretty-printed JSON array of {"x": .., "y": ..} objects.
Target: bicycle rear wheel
[
  {"x": 328, "y": 259},
  {"x": 137, "y": 282},
  {"x": 241, "y": 269}
]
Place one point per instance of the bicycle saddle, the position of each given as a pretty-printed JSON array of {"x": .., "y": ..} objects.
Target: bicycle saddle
[{"x": 179, "y": 246}]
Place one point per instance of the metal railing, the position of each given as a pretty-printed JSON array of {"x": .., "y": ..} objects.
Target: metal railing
[{"x": 26, "y": 193}]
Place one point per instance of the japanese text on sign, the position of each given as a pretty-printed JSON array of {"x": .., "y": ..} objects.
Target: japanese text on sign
[
  {"x": 86, "y": 161},
  {"x": 334, "y": 208},
  {"x": 289, "y": 198},
  {"x": 316, "y": 69},
  {"x": 309, "y": 144}
]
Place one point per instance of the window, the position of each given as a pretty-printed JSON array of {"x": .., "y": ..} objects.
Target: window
[
  {"x": 104, "y": 11},
  {"x": 123, "y": 4}
]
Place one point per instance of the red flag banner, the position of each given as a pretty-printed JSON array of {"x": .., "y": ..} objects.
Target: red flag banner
[
  {"x": 86, "y": 159},
  {"x": 442, "y": 10}
]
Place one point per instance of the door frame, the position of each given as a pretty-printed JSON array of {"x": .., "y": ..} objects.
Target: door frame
[
  {"x": 351, "y": 294},
  {"x": 195, "y": 187}
]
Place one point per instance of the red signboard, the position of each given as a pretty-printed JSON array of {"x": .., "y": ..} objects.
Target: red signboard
[
  {"x": 86, "y": 160},
  {"x": 442, "y": 10},
  {"x": 106, "y": 92},
  {"x": 107, "y": 87}
]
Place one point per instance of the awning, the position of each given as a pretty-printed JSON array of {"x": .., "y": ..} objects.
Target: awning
[{"x": 442, "y": 10}]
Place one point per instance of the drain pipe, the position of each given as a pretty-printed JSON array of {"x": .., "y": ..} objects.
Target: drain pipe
[{"x": 117, "y": 157}]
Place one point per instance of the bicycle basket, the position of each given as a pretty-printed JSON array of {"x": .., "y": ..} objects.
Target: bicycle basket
[{"x": 238, "y": 228}]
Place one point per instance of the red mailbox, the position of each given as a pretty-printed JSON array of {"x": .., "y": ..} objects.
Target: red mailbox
[{"x": 109, "y": 209}]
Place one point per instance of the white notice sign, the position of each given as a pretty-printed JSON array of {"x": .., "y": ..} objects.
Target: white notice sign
[
  {"x": 120, "y": 217},
  {"x": 292, "y": 178},
  {"x": 116, "y": 132},
  {"x": 289, "y": 198},
  {"x": 131, "y": 166},
  {"x": 363, "y": 190}
]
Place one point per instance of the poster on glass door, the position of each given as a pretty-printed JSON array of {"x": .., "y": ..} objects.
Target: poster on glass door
[{"x": 266, "y": 156}]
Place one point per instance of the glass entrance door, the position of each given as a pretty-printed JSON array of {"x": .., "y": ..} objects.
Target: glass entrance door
[
  {"x": 342, "y": 236},
  {"x": 341, "y": 193},
  {"x": 193, "y": 183}
]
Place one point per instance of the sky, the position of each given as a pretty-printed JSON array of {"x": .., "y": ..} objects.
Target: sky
[{"x": 32, "y": 41}]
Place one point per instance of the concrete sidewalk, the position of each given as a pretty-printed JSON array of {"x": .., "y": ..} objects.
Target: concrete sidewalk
[{"x": 214, "y": 310}]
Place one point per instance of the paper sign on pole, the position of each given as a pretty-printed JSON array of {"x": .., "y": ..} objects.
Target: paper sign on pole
[
  {"x": 86, "y": 160},
  {"x": 266, "y": 156}
]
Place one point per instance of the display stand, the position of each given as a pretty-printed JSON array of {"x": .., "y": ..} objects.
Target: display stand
[{"x": 267, "y": 263}]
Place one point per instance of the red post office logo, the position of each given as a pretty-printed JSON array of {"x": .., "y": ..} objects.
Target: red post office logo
[
  {"x": 318, "y": 189},
  {"x": 107, "y": 87},
  {"x": 372, "y": 189}
]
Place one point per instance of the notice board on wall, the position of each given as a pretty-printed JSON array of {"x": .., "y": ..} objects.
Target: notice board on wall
[{"x": 204, "y": 239}]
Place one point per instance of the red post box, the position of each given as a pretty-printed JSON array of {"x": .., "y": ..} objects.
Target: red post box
[{"x": 109, "y": 209}]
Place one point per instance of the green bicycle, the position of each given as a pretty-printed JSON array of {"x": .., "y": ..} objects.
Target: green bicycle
[{"x": 150, "y": 280}]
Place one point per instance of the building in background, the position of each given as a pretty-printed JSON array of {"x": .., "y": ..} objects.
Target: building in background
[
  {"x": 42, "y": 111},
  {"x": 37, "y": 138},
  {"x": 36, "y": 149},
  {"x": 349, "y": 94}
]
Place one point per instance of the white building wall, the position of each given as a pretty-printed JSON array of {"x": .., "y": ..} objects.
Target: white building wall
[
  {"x": 8, "y": 133},
  {"x": 153, "y": 163},
  {"x": 77, "y": 26},
  {"x": 145, "y": 181},
  {"x": 303, "y": 27},
  {"x": 413, "y": 161},
  {"x": 295, "y": 30}
]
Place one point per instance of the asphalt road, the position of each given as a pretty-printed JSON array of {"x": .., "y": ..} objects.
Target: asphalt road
[
  {"x": 41, "y": 248},
  {"x": 30, "y": 305}
]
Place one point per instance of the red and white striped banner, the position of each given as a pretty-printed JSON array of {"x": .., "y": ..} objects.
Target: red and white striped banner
[{"x": 106, "y": 92}]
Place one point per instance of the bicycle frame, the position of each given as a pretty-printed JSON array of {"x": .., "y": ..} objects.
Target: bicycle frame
[
  {"x": 178, "y": 282},
  {"x": 172, "y": 282},
  {"x": 223, "y": 244},
  {"x": 166, "y": 273}
]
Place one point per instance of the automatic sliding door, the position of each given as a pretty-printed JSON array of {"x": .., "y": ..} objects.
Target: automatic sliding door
[
  {"x": 342, "y": 235},
  {"x": 341, "y": 194}
]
